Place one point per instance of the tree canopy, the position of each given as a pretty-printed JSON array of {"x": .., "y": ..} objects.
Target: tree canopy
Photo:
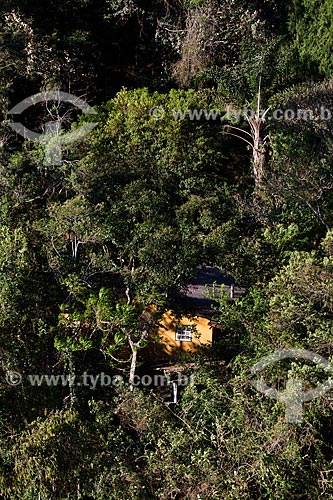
[{"x": 213, "y": 147}]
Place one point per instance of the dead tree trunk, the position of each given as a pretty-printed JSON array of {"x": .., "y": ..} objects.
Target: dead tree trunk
[
  {"x": 135, "y": 346},
  {"x": 133, "y": 364},
  {"x": 259, "y": 153},
  {"x": 255, "y": 139}
]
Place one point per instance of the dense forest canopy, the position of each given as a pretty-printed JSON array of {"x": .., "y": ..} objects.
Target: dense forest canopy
[{"x": 211, "y": 146}]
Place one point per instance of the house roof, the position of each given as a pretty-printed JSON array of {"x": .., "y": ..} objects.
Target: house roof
[{"x": 206, "y": 279}]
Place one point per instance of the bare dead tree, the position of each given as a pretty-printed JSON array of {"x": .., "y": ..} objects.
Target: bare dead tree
[{"x": 255, "y": 138}]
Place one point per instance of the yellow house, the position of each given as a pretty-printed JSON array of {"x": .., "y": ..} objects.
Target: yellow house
[
  {"x": 180, "y": 334},
  {"x": 185, "y": 334}
]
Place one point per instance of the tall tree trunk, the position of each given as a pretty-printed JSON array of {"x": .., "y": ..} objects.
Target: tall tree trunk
[
  {"x": 259, "y": 156},
  {"x": 255, "y": 139},
  {"x": 133, "y": 365},
  {"x": 259, "y": 151}
]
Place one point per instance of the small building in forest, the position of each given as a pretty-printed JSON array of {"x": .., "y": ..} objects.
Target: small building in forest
[{"x": 191, "y": 324}]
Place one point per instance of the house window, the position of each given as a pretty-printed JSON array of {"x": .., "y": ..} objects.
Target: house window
[{"x": 184, "y": 333}]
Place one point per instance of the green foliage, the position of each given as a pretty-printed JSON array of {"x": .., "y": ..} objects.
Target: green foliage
[
  {"x": 51, "y": 458},
  {"x": 311, "y": 25},
  {"x": 94, "y": 251},
  {"x": 145, "y": 171}
]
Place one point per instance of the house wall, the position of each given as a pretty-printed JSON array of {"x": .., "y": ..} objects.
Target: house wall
[{"x": 202, "y": 333}]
